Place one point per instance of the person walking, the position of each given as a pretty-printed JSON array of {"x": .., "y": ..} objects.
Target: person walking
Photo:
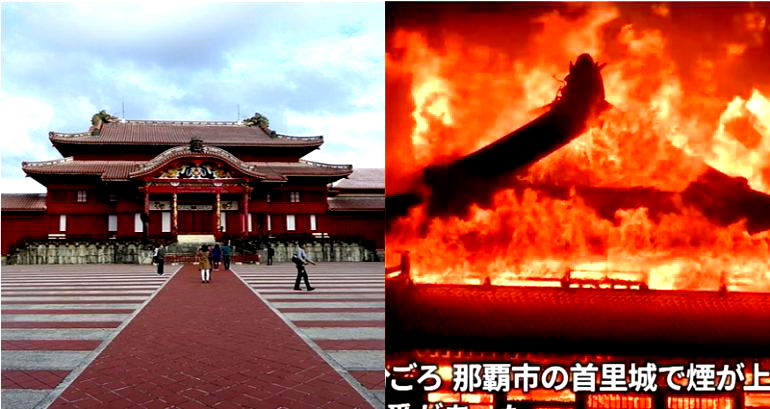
[
  {"x": 300, "y": 259},
  {"x": 160, "y": 258},
  {"x": 226, "y": 254},
  {"x": 216, "y": 257},
  {"x": 204, "y": 263},
  {"x": 270, "y": 254}
]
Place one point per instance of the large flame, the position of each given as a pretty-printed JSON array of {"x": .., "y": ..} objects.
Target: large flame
[{"x": 675, "y": 116}]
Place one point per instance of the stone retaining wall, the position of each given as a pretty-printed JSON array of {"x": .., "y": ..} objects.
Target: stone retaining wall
[
  {"x": 62, "y": 252},
  {"x": 65, "y": 252},
  {"x": 328, "y": 250}
]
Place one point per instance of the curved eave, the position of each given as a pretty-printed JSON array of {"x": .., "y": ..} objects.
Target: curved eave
[
  {"x": 326, "y": 178},
  {"x": 315, "y": 175},
  {"x": 39, "y": 170},
  {"x": 52, "y": 169}
]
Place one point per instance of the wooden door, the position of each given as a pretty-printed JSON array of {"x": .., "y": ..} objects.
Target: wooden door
[{"x": 195, "y": 222}]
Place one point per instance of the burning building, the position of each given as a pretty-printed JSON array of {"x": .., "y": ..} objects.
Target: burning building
[{"x": 555, "y": 229}]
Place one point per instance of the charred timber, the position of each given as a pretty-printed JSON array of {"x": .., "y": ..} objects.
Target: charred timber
[
  {"x": 722, "y": 199},
  {"x": 486, "y": 169}
]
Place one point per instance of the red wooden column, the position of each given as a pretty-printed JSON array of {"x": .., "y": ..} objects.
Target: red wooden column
[
  {"x": 174, "y": 227},
  {"x": 245, "y": 213},
  {"x": 146, "y": 215},
  {"x": 217, "y": 215}
]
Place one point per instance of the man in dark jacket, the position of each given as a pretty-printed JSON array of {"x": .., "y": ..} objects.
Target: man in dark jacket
[
  {"x": 226, "y": 253},
  {"x": 160, "y": 258}
]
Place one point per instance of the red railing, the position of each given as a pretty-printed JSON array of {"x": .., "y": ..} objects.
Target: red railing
[{"x": 190, "y": 258}]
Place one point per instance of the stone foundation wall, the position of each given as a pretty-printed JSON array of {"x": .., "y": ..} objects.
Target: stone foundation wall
[
  {"x": 328, "y": 250},
  {"x": 62, "y": 252}
]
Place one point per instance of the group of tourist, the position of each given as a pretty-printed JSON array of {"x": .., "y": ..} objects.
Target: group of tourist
[
  {"x": 211, "y": 258},
  {"x": 208, "y": 259}
]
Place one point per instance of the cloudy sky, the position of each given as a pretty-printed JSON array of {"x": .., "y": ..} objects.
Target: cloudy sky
[{"x": 310, "y": 68}]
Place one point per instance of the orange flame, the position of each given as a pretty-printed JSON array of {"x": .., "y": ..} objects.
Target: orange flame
[{"x": 663, "y": 133}]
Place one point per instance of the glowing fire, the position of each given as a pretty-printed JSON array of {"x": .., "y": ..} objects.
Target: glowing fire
[{"x": 665, "y": 131}]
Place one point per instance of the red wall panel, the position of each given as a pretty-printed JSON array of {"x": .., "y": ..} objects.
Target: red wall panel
[
  {"x": 351, "y": 225},
  {"x": 21, "y": 226}
]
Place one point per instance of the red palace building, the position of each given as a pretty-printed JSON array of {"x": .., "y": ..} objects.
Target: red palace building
[{"x": 157, "y": 180}]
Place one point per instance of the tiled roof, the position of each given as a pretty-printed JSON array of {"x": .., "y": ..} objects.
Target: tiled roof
[
  {"x": 122, "y": 170},
  {"x": 305, "y": 168},
  {"x": 350, "y": 202},
  {"x": 23, "y": 201},
  {"x": 363, "y": 178},
  {"x": 180, "y": 132},
  {"x": 108, "y": 170},
  {"x": 566, "y": 320}
]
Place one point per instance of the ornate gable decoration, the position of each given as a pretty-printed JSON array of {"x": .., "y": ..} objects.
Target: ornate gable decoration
[
  {"x": 190, "y": 170},
  {"x": 211, "y": 163},
  {"x": 196, "y": 145}
]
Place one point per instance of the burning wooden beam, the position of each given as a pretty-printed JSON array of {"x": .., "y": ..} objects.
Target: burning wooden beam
[{"x": 581, "y": 99}]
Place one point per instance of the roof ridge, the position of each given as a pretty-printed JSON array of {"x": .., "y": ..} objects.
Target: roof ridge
[{"x": 177, "y": 122}]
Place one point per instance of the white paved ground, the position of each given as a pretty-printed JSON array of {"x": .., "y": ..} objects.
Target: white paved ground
[
  {"x": 55, "y": 318},
  {"x": 344, "y": 317}
]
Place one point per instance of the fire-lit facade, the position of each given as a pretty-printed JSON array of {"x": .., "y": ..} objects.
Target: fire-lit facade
[
  {"x": 640, "y": 234},
  {"x": 132, "y": 179}
]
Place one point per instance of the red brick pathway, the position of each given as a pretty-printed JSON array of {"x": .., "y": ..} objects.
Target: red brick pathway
[{"x": 208, "y": 345}]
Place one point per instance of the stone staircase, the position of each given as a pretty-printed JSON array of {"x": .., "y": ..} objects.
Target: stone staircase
[{"x": 183, "y": 251}]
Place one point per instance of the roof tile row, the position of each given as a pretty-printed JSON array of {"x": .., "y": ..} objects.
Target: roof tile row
[
  {"x": 23, "y": 201},
  {"x": 176, "y": 133}
]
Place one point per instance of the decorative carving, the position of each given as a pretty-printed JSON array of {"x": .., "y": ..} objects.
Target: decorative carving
[
  {"x": 161, "y": 205},
  {"x": 183, "y": 151},
  {"x": 228, "y": 205},
  {"x": 258, "y": 120},
  {"x": 192, "y": 171},
  {"x": 99, "y": 118},
  {"x": 196, "y": 145}
]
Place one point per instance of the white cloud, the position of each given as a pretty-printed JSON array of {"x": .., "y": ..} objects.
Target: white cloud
[
  {"x": 355, "y": 138},
  {"x": 24, "y": 120},
  {"x": 295, "y": 63},
  {"x": 20, "y": 185}
]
